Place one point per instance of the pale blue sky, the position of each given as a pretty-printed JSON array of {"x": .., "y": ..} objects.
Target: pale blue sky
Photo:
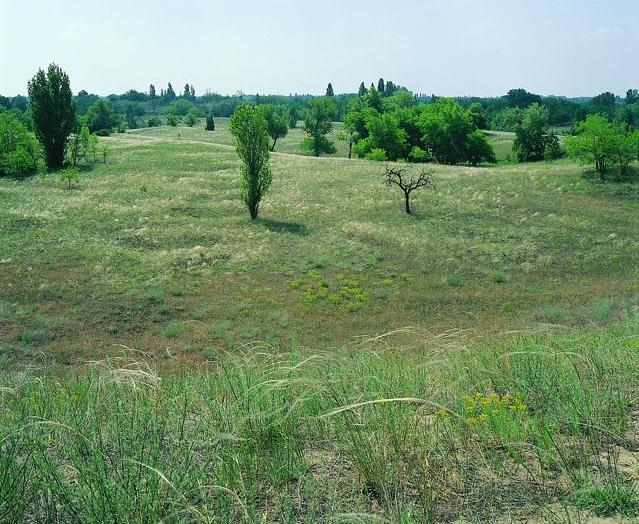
[{"x": 450, "y": 47}]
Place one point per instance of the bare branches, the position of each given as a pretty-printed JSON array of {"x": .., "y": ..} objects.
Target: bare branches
[{"x": 403, "y": 178}]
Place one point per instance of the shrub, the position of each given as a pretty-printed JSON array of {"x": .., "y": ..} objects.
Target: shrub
[
  {"x": 19, "y": 150},
  {"x": 154, "y": 122},
  {"x": 69, "y": 175},
  {"x": 376, "y": 154}
]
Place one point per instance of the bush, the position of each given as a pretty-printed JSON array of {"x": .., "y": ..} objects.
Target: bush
[
  {"x": 19, "y": 149},
  {"x": 154, "y": 122},
  {"x": 376, "y": 154},
  {"x": 172, "y": 120}
]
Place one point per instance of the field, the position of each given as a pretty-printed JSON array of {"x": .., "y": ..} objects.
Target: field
[{"x": 224, "y": 350}]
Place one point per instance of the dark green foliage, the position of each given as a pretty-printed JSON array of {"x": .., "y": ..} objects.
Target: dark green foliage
[
  {"x": 19, "y": 150},
  {"x": 191, "y": 118},
  {"x": 385, "y": 134},
  {"x": 276, "y": 122},
  {"x": 154, "y": 122},
  {"x": 172, "y": 120},
  {"x": 52, "y": 111},
  {"x": 102, "y": 118},
  {"x": 449, "y": 134},
  {"x": 603, "y": 142},
  {"x": 478, "y": 115},
  {"x": 251, "y": 142},
  {"x": 179, "y": 108},
  {"x": 329, "y": 90},
  {"x": 362, "y": 89},
  {"x": 130, "y": 116},
  {"x": 169, "y": 94},
  {"x": 521, "y": 98},
  {"x": 152, "y": 91},
  {"x": 318, "y": 122},
  {"x": 381, "y": 86},
  {"x": 531, "y": 132},
  {"x": 210, "y": 122}
]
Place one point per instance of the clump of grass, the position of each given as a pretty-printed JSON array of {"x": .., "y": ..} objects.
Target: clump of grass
[
  {"x": 454, "y": 280},
  {"x": 498, "y": 276},
  {"x": 604, "y": 309},
  {"x": 616, "y": 498},
  {"x": 33, "y": 336},
  {"x": 176, "y": 290},
  {"x": 307, "y": 436},
  {"x": 175, "y": 329}
]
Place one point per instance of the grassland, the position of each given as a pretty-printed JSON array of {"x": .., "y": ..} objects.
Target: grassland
[{"x": 152, "y": 256}]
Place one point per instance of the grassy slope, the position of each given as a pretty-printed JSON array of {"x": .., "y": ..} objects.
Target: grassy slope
[
  {"x": 537, "y": 426},
  {"x": 155, "y": 251}
]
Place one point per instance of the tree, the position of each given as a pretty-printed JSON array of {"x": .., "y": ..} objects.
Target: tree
[
  {"x": 191, "y": 118},
  {"x": 318, "y": 122},
  {"x": 192, "y": 91},
  {"x": 210, "y": 122},
  {"x": 152, "y": 91},
  {"x": 595, "y": 141},
  {"x": 131, "y": 121},
  {"x": 329, "y": 90},
  {"x": 276, "y": 122},
  {"x": 70, "y": 174},
  {"x": 102, "y": 118},
  {"x": 626, "y": 149},
  {"x": 478, "y": 150},
  {"x": 397, "y": 176},
  {"x": 19, "y": 149},
  {"x": 105, "y": 151},
  {"x": 169, "y": 94},
  {"x": 293, "y": 116},
  {"x": 248, "y": 126},
  {"x": 478, "y": 115},
  {"x": 93, "y": 146},
  {"x": 521, "y": 98},
  {"x": 172, "y": 120},
  {"x": 362, "y": 89},
  {"x": 447, "y": 133},
  {"x": 632, "y": 96},
  {"x": 52, "y": 111},
  {"x": 381, "y": 86},
  {"x": 530, "y": 134},
  {"x": 384, "y": 134}
]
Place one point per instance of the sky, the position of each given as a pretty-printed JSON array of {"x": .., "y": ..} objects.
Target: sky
[{"x": 448, "y": 48}]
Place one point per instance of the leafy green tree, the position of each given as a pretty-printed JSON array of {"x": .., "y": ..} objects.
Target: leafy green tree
[
  {"x": 172, "y": 120},
  {"x": 478, "y": 115},
  {"x": 154, "y": 122},
  {"x": 187, "y": 91},
  {"x": 626, "y": 149},
  {"x": 478, "y": 150},
  {"x": 276, "y": 122},
  {"x": 248, "y": 126},
  {"x": 329, "y": 90},
  {"x": 210, "y": 122},
  {"x": 595, "y": 141},
  {"x": 53, "y": 113},
  {"x": 521, "y": 98},
  {"x": 508, "y": 119},
  {"x": 632, "y": 96},
  {"x": 69, "y": 175},
  {"x": 318, "y": 123},
  {"x": 385, "y": 134},
  {"x": 447, "y": 130},
  {"x": 130, "y": 115},
  {"x": 169, "y": 94},
  {"x": 362, "y": 90},
  {"x": 530, "y": 134},
  {"x": 19, "y": 149},
  {"x": 381, "y": 86},
  {"x": 191, "y": 118},
  {"x": 102, "y": 118},
  {"x": 179, "y": 108},
  {"x": 374, "y": 99},
  {"x": 93, "y": 146},
  {"x": 85, "y": 140},
  {"x": 293, "y": 117},
  {"x": 152, "y": 91}
]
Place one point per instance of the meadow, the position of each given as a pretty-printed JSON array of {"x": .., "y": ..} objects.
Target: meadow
[{"x": 334, "y": 360}]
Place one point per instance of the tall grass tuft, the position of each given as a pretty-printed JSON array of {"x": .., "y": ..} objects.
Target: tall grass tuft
[{"x": 454, "y": 430}]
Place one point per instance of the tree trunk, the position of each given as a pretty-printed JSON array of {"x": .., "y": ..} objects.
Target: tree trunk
[
  {"x": 273, "y": 146},
  {"x": 407, "y": 200},
  {"x": 350, "y": 148}
]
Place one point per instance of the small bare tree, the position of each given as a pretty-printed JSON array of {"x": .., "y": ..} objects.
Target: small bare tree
[{"x": 399, "y": 176}]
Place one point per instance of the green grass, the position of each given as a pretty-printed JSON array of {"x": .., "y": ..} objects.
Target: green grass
[
  {"x": 331, "y": 258},
  {"x": 453, "y": 429},
  {"x": 236, "y": 371}
]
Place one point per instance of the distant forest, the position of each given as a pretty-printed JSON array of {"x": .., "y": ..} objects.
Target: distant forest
[{"x": 143, "y": 109}]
